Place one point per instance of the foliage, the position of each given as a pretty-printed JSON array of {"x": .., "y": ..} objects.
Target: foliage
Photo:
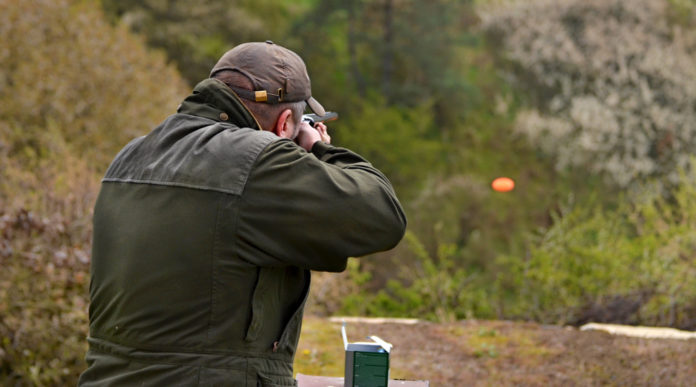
[
  {"x": 408, "y": 53},
  {"x": 438, "y": 288},
  {"x": 441, "y": 158},
  {"x": 73, "y": 90},
  {"x": 375, "y": 127},
  {"x": 69, "y": 103},
  {"x": 682, "y": 12},
  {"x": 613, "y": 83},
  {"x": 195, "y": 34},
  {"x": 628, "y": 264},
  {"x": 427, "y": 98},
  {"x": 43, "y": 297},
  {"x": 632, "y": 264}
]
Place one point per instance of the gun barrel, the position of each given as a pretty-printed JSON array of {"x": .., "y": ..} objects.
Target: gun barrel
[{"x": 314, "y": 118}]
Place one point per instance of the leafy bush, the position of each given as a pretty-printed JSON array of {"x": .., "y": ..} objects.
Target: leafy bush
[
  {"x": 195, "y": 33},
  {"x": 76, "y": 84},
  {"x": 73, "y": 90},
  {"x": 613, "y": 82},
  {"x": 43, "y": 298},
  {"x": 430, "y": 287},
  {"x": 633, "y": 264},
  {"x": 396, "y": 140}
]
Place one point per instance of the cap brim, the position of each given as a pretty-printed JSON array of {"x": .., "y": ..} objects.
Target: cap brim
[{"x": 316, "y": 107}]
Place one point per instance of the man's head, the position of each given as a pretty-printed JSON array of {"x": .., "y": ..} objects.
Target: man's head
[{"x": 272, "y": 82}]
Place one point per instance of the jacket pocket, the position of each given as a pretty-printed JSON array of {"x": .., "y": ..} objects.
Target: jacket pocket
[
  {"x": 256, "y": 308},
  {"x": 263, "y": 304},
  {"x": 291, "y": 332},
  {"x": 266, "y": 307}
]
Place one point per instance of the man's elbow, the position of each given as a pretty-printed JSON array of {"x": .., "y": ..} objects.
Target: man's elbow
[{"x": 396, "y": 229}]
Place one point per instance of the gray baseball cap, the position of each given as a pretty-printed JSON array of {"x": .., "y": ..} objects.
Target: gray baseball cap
[{"x": 277, "y": 74}]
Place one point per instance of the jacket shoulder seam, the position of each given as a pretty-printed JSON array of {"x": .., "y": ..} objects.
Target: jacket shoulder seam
[
  {"x": 254, "y": 164},
  {"x": 279, "y": 141}
]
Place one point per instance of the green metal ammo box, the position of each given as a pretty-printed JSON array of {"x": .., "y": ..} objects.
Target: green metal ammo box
[{"x": 367, "y": 363}]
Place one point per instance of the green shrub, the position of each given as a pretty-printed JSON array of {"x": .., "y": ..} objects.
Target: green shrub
[
  {"x": 629, "y": 263},
  {"x": 632, "y": 264},
  {"x": 73, "y": 91},
  {"x": 396, "y": 140},
  {"x": 434, "y": 287},
  {"x": 76, "y": 83}
]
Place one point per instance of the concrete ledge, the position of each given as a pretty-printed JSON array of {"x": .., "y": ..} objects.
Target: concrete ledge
[
  {"x": 374, "y": 320},
  {"x": 643, "y": 332}
]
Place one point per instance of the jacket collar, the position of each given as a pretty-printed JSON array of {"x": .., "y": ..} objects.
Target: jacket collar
[{"x": 212, "y": 99}]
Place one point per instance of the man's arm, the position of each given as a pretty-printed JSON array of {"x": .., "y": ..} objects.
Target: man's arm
[{"x": 314, "y": 210}]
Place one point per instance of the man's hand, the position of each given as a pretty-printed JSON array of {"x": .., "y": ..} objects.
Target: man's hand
[{"x": 307, "y": 135}]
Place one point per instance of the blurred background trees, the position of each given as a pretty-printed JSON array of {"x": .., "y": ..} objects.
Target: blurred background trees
[
  {"x": 588, "y": 105},
  {"x": 193, "y": 34},
  {"x": 613, "y": 94}
]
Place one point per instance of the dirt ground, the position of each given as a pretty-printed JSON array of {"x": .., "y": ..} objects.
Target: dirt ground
[{"x": 503, "y": 353}]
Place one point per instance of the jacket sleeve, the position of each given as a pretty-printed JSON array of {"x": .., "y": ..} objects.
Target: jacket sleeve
[{"x": 314, "y": 210}]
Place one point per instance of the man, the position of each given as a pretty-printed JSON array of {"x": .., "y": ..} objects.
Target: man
[{"x": 206, "y": 229}]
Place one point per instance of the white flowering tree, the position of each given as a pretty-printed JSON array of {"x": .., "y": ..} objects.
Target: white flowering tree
[{"x": 614, "y": 81}]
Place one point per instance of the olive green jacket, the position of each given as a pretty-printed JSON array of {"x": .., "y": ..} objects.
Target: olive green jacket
[{"x": 205, "y": 232}]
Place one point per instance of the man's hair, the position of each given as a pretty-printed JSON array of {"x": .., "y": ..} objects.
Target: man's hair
[{"x": 266, "y": 114}]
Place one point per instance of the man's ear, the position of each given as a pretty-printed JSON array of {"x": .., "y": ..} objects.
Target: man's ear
[{"x": 283, "y": 127}]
